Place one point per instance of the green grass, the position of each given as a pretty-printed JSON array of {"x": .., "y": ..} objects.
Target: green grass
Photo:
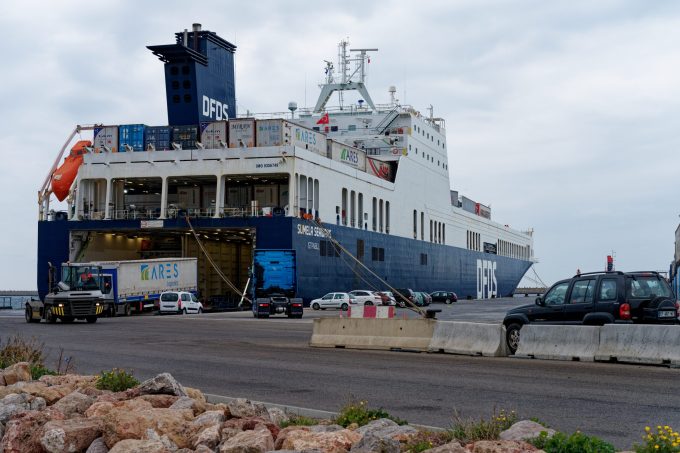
[
  {"x": 116, "y": 380},
  {"x": 298, "y": 420},
  {"x": 358, "y": 412},
  {"x": 574, "y": 443},
  {"x": 470, "y": 430}
]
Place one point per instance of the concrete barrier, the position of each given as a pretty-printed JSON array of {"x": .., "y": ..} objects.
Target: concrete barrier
[
  {"x": 554, "y": 342},
  {"x": 469, "y": 338},
  {"x": 372, "y": 333},
  {"x": 652, "y": 344}
]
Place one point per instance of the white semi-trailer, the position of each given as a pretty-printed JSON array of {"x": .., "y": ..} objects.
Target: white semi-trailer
[{"x": 137, "y": 284}]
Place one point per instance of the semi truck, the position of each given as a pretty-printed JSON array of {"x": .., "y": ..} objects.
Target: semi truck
[
  {"x": 274, "y": 284},
  {"x": 76, "y": 295},
  {"x": 137, "y": 284}
]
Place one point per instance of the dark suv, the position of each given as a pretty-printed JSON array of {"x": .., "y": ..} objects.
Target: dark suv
[
  {"x": 598, "y": 298},
  {"x": 408, "y": 293}
]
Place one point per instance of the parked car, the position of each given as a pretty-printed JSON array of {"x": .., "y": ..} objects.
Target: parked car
[
  {"x": 408, "y": 294},
  {"x": 334, "y": 300},
  {"x": 423, "y": 299},
  {"x": 365, "y": 297},
  {"x": 446, "y": 297},
  {"x": 387, "y": 297},
  {"x": 598, "y": 298},
  {"x": 180, "y": 302}
]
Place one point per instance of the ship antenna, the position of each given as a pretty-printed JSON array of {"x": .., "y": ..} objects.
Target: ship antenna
[{"x": 349, "y": 81}]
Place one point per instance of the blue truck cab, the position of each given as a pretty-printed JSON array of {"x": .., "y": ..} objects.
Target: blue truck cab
[{"x": 275, "y": 284}]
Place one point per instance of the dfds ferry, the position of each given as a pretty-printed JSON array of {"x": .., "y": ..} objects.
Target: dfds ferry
[{"x": 373, "y": 177}]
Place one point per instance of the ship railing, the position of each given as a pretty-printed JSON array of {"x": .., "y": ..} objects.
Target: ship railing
[{"x": 348, "y": 109}]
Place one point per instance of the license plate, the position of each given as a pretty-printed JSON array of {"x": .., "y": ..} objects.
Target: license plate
[{"x": 667, "y": 314}]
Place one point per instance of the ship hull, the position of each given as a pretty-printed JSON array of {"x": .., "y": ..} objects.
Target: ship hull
[{"x": 401, "y": 262}]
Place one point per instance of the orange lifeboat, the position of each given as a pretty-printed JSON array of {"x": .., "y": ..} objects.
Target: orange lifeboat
[{"x": 64, "y": 176}]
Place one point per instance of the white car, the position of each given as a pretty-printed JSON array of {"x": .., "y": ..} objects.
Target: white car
[
  {"x": 334, "y": 300},
  {"x": 365, "y": 297},
  {"x": 180, "y": 302}
]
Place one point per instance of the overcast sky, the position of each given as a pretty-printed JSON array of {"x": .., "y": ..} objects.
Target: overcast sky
[{"x": 563, "y": 116}]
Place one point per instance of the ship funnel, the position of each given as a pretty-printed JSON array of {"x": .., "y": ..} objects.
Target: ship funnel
[{"x": 196, "y": 27}]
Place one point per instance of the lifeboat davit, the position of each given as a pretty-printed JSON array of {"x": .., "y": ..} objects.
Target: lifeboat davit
[{"x": 64, "y": 176}]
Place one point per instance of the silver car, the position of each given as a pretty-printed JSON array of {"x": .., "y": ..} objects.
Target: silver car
[
  {"x": 334, "y": 300},
  {"x": 180, "y": 302}
]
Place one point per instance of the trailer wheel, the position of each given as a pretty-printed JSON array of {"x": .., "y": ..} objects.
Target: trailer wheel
[
  {"x": 91, "y": 319},
  {"x": 28, "y": 314},
  {"x": 113, "y": 310},
  {"x": 127, "y": 309}
]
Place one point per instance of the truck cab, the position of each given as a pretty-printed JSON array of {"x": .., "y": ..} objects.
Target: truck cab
[
  {"x": 77, "y": 295},
  {"x": 275, "y": 284}
]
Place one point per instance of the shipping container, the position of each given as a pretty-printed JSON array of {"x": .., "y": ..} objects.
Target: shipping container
[
  {"x": 214, "y": 135},
  {"x": 185, "y": 136},
  {"x": 483, "y": 211},
  {"x": 346, "y": 154},
  {"x": 468, "y": 204},
  {"x": 158, "y": 137},
  {"x": 308, "y": 139},
  {"x": 105, "y": 139},
  {"x": 131, "y": 135},
  {"x": 273, "y": 133},
  {"x": 242, "y": 133},
  {"x": 380, "y": 169}
]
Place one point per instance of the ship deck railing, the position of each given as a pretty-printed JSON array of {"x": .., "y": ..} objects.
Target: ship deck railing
[{"x": 171, "y": 213}]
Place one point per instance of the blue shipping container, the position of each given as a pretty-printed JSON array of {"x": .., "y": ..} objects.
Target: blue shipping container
[
  {"x": 131, "y": 135},
  {"x": 159, "y": 137}
]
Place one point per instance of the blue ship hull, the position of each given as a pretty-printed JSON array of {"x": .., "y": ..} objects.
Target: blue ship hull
[{"x": 401, "y": 262}]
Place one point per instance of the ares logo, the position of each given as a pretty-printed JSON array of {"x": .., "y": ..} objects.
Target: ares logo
[
  {"x": 305, "y": 136},
  {"x": 347, "y": 155},
  {"x": 215, "y": 109},
  {"x": 487, "y": 286},
  {"x": 160, "y": 271}
]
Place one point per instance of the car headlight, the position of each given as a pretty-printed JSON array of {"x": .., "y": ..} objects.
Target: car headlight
[{"x": 60, "y": 305}]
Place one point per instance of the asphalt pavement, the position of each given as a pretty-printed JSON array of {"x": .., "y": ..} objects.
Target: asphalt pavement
[{"x": 235, "y": 355}]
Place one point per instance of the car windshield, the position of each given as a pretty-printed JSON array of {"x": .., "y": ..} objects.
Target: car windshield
[
  {"x": 646, "y": 287},
  {"x": 169, "y": 297}
]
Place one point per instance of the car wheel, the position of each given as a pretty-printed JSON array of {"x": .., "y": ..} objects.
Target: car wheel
[
  {"x": 184, "y": 311},
  {"x": 315, "y": 306},
  {"x": 344, "y": 307},
  {"x": 368, "y": 304},
  {"x": 91, "y": 319},
  {"x": 512, "y": 337},
  {"x": 200, "y": 310},
  {"x": 448, "y": 301}
]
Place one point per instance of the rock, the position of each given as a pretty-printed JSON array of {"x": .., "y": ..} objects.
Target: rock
[
  {"x": 185, "y": 402},
  {"x": 217, "y": 407},
  {"x": 325, "y": 428},
  {"x": 139, "y": 446},
  {"x": 164, "y": 439},
  {"x": 23, "y": 432},
  {"x": 70, "y": 435},
  {"x": 8, "y": 410},
  {"x": 209, "y": 418},
  {"x": 36, "y": 388},
  {"x": 199, "y": 397},
  {"x": 283, "y": 434},
  {"x": 91, "y": 391},
  {"x": 159, "y": 401},
  {"x": 328, "y": 442},
  {"x": 502, "y": 446},
  {"x": 120, "y": 424},
  {"x": 19, "y": 372},
  {"x": 451, "y": 447},
  {"x": 385, "y": 427},
  {"x": 243, "y": 408},
  {"x": 209, "y": 437},
  {"x": 102, "y": 408},
  {"x": 228, "y": 433},
  {"x": 76, "y": 380},
  {"x": 74, "y": 403},
  {"x": 2, "y": 380},
  {"x": 98, "y": 446},
  {"x": 164, "y": 383},
  {"x": 277, "y": 416},
  {"x": 370, "y": 443},
  {"x": 255, "y": 441},
  {"x": 22, "y": 399},
  {"x": 525, "y": 429},
  {"x": 38, "y": 404},
  {"x": 203, "y": 449},
  {"x": 2, "y": 430}
]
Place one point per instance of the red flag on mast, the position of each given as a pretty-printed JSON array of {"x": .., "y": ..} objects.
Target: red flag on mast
[{"x": 324, "y": 119}]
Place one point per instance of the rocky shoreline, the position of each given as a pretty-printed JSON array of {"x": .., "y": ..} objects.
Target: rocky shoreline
[{"x": 67, "y": 413}]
